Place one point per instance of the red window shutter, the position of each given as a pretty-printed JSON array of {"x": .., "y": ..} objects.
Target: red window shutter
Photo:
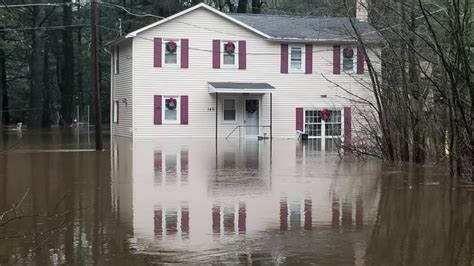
[
  {"x": 157, "y": 52},
  {"x": 157, "y": 110},
  {"x": 284, "y": 58},
  {"x": 216, "y": 219},
  {"x": 337, "y": 59},
  {"x": 158, "y": 222},
  {"x": 242, "y": 55},
  {"x": 309, "y": 59},
  {"x": 300, "y": 119},
  {"x": 184, "y": 53},
  {"x": 184, "y": 110},
  {"x": 158, "y": 165},
  {"x": 184, "y": 162},
  {"x": 360, "y": 60},
  {"x": 347, "y": 126},
  {"x": 216, "y": 54}
]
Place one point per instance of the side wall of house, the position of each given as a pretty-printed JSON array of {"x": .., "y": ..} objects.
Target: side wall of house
[
  {"x": 263, "y": 65},
  {"x": 122, "y": 92}
]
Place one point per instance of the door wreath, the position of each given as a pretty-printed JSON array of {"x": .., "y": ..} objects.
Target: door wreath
[{"x": 251, "y": 106}]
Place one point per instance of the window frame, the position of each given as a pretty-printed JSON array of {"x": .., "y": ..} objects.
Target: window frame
[
  {"x": 178, "y": 110},
  {"x": 115, "y": 114},
  {"x": 235, "y": 109},
  {"x": 236, "y": 54},
  {"x": 116, "y": 61},
  {"x": 303, "y": 58},
  {"x": 178, "y": 53},
  {"x": 354, "y": 60}
]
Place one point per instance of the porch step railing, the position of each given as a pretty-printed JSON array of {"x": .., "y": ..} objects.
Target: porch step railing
[{"x": 239, "y": 127}]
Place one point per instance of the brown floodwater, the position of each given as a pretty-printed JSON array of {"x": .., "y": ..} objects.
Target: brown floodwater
[{"x": 192, "y": 201}]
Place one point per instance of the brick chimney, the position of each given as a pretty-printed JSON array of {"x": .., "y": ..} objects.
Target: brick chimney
[{"x": 361, "y": 13}]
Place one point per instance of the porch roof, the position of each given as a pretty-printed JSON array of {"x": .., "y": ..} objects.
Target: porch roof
[{"x": 238, "y": 87}]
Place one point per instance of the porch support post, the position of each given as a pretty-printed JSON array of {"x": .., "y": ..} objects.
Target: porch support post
[
  {"x": 217, "y": 113},
  {"x": 271, "y": 115}
]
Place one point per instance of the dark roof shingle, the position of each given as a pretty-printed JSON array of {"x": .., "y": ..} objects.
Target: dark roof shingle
[{"x": 309, "y": 28}]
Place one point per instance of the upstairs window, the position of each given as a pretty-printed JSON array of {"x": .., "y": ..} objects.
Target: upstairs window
[
  {"x": 296, "y": 58},
  {"x": 348, "y": 59},
  {"x": 171, "y": 110},
  {"x": 229, "y": 110},
  {"x": 116, "y": 60},
  {"x": 171, "y": 53},
  {"x": 230, "y": 53}
]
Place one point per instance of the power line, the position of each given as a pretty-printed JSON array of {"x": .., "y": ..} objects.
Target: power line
[
  {"x": 47, "y": 27},
  {"x": 39, "y": 4}
]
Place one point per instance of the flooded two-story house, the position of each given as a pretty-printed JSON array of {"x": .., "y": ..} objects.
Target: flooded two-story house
[{"x": 203, "y": 73}]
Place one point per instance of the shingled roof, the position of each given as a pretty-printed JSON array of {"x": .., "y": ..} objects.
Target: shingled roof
[
  {"x": 283, "y": 28},
  {"x": 308, "y": 27}
]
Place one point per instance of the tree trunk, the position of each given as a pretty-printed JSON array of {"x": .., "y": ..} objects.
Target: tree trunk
[
  {"x": 242, "y": 7},
  {"x": 416, "y": 91},
  {"x": 2, "y": 79},
  {"x": 67, "y": 86},
  {"x": 47, "y": 100},
  {"x": 37, "y": 70},
  {"x": 256, "y": 6},
  {"x": 230, "y": 5}
]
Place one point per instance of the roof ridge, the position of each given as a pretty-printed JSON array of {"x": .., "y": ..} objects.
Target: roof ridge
[{"x": 284, "y": 15}]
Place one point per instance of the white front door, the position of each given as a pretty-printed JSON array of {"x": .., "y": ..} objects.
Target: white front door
[{"x": 251, "y": 117}]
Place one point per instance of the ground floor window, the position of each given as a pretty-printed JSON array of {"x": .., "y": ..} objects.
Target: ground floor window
[
  {"x": 316, "y": 125},
  {"x": 171, "y": 105},
  {"x": 116, "y": 112},
  {"x": 230, "y": 110}
]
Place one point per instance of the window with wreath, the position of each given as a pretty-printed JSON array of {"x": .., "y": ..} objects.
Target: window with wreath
[
  {"x": 296, "y": 58},
  {"x": 348, "y": 59},
  {"x": 230, "y": 53},
  {"x": 229, "y": 110},
  {"x": 171, "y": 52},
  {"x": 323, "y": 123},
  {"x": 171, "y": 109}
]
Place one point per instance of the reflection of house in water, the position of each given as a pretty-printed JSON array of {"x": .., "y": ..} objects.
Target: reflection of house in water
[{"x": 185, "y": 196}]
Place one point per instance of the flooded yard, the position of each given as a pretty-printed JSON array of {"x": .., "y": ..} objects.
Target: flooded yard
[{"x": 198, "y": 201}]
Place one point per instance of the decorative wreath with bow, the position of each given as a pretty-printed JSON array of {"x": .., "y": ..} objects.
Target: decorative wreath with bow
[
  {"x": 171, "y": 47},
  {"x": 325, "y": 115},
  {"x": 170, "y": 103},
  {"x": 230, "y": 48},
  {"x": 251, "y": 106},
  {"x": 348, "y": 52}
]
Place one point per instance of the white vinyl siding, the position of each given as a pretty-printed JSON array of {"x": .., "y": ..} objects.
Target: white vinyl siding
[
  {"x": 122, "y": 91},
  {"x": 263, "y": 65}
]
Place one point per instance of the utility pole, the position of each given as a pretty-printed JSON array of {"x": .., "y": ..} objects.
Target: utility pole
[{"x": 95, "y": 73}]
